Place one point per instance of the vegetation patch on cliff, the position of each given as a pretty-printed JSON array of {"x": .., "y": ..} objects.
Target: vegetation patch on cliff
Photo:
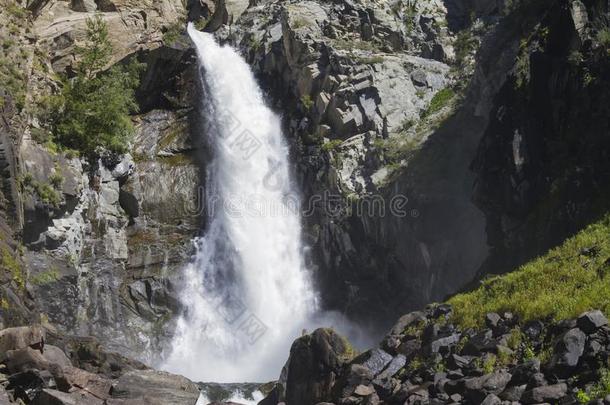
[
  {"x": 568, "y": 280},
  {"x": 93, "y": 109},
  {"x": 14, "y": 54}
]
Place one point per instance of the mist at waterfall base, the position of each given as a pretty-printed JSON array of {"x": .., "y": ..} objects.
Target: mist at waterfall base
[{"x": 247, "y": 292}]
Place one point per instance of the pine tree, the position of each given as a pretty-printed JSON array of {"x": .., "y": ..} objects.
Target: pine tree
[{"x": 94, "y": 107}]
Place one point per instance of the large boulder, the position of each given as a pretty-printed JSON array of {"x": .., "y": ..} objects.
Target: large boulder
[
  {"x": 21, "y": 338},
  {"x": 568, "y": 350},
  {"x": 545, "y": 394},
  {"x": 476, "y": 389},
  {"x": 54, "y": 397},
  {"x": 314, "y": 365},
  {"x": 156, "y": 387}
]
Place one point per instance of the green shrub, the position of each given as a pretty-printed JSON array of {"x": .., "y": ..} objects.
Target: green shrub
[
  {"x": 47, "y": 194},
  {"x": 93, "y": 109},
  {"x": 11, "y": 264},
  {"x": 514, "y": 339},
  {"x": 582, "y": 397},
  {"x": 562, "y": 284},
  {"x": 175, "y": 31},
  {"x": 300, "y": 23},
  {"x": 56, "y": 179},
  {"x": 45, "y": 277},
  {"x": 465, "y": 44},
  {"x": 440, "y": 100},
  {"x": 522, "y": 65},
  {"x": 307, "y": 102},
  {"x": 332, "y": 145},
  {"x": 603, "y": 37},
  {"x": 372, "y": 60},
  {"x": 489, "y": 364},
  {"x": 602, "y": 28},
  {"x": 17, "y": 11}
]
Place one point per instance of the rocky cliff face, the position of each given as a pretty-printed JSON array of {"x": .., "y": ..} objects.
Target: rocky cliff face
[
  {"x": 101, "y": 242},
  {"x": 446, "y": 105},
  {"x": 541, "y": 166},
  {"x": 377, "y": 103}
]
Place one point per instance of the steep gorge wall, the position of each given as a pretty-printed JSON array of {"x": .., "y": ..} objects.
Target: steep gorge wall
[
  {"x": 357, "y": 83},
  {"x": 99, "y": 245},
  {"x": 542, "y": 166}
]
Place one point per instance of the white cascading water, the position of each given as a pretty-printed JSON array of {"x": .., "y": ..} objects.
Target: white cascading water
[{"x": 248, "y": 294}]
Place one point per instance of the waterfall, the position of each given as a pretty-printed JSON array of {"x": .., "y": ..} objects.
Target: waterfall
[{"x": 247, "y": 294}]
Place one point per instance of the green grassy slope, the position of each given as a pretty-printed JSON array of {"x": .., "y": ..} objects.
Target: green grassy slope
[{"x": 565, "y": 282}]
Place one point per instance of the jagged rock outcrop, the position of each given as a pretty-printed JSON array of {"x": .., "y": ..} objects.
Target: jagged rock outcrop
[
  {"x": 133, "y": 26},
  {"x": 312, "y": 368},
  {"x": 426, "y": 359},
  {"x": 41, "y": 374}
]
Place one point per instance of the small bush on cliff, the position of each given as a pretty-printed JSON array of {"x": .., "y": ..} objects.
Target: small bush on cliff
[
  {"x": 93, "y": 109},
  {"x": 11, "y": 265},
  {"x": 439, "y": 101},
  {"x": 569, "y": 280}
]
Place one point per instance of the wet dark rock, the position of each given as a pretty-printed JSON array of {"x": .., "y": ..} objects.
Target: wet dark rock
[
  {"x": 455, "y": 374},
  {"x": 430, "y": 333},
  {"x": 536, "y": 380},
  {"x": 409, "y": 348},
  {"x": 442, "y": 310},
  {"x": 456, "y": 361},
  {"x": 375, "y": 360},
  {"x": 514, "y": 393},
  {"x": 492, "y": 320},
  {"x": 491, "y": 399},
  {"x": 591, "y": 321},
  {"x": 477, "y": 388},
  {"x": 479, "y": 343},
  {"x": 417, "y": 395},
  {"x": 443, "y": 345},
  {"x": 568, "y": 350},
  {"x": 522, "y": 373},
  {"x": 315, "y": 362},
  {"x": 354, "y": 376},
  {"x": 407, "y": 320},
  {"x": 26, "y": 384},
  {"x": 533, "y": 329},
  {"x": 548, "y": 393}
]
